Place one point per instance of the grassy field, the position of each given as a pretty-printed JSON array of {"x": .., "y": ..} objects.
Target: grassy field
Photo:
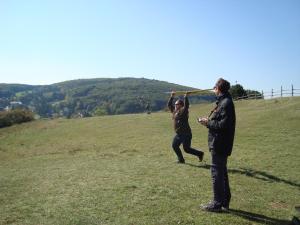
[{"x": 121, "y": 169}]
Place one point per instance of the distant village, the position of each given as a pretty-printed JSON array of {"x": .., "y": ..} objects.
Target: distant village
[{"x": 14, "y": 105}]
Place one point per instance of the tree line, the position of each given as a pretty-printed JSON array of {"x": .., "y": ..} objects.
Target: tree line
[{"x": 89, "y": 97}]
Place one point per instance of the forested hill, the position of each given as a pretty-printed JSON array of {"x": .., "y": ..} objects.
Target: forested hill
[{"x": 93, "y": 96}]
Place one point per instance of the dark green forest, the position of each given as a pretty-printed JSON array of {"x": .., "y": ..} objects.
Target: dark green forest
[{"x": 89, "y": 97}]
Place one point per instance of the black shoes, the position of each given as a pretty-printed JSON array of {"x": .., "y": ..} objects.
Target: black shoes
[
  {"x": 211, "y": 207},
  {"x": 181, "y": 161},
  {"x": 225, "y": 206},
  {"x": 226, "y": 202},
  {"x": 214, "y": 207},
  {"x": 201, "y": 156}
]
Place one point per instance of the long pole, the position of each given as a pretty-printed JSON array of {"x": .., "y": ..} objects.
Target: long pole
[{"x": 204, "y": 91}]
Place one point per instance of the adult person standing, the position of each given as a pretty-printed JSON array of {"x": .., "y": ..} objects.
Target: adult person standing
[
  {"x": 182, "y": 128},
  {"x": 221, "y": 129}
]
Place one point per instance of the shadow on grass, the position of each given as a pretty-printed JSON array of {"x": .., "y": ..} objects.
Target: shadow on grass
[
  {"x": 258, "y": 218},
  {"x": 261, "y": 175}
]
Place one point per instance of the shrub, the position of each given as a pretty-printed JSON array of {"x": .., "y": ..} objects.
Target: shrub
[{"x": 8, "y": 118}]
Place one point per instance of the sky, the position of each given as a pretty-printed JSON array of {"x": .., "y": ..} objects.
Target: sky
[{"x": 193, "y": 42}]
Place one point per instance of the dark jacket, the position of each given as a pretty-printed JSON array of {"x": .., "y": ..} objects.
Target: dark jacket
[
  {"x": 221, "y": 126},
  {"x": 180, "y": 117}
]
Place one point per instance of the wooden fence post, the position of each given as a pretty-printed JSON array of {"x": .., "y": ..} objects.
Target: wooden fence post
[{"x": 272, "y": 93}]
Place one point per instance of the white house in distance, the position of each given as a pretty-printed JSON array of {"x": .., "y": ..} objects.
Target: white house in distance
[{"x": 15, "y": 105}]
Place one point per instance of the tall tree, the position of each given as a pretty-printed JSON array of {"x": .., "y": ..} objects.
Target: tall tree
[{"x": 237, "y": 91}]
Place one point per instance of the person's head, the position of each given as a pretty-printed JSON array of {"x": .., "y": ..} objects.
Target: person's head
[
  {"x": 221, "y": 87},
  {"x": 179, "y": 104}
]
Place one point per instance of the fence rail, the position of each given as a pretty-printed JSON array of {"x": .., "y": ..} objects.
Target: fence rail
[{"x": 272, "y": 94}]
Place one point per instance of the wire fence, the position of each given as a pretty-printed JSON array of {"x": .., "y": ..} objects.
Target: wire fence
[{"x": 272, "y": 94}]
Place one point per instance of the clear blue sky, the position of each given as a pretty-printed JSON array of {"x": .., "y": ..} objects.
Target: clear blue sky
[{"x": 253, "y": 42}]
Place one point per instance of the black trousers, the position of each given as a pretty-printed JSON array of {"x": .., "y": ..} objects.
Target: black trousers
[
  {"x": 220, "y": 180},
  {"x": 185, "y": 140}
]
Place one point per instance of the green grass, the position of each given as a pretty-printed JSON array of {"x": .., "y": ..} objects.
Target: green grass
[{"x": 121, "y": 169}]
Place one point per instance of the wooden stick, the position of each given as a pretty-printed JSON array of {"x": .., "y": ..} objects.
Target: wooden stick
[{"x": 193, "y": 92}]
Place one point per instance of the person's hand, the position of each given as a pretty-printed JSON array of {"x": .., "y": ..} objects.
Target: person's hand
[
  {"x": 203, "y": 121},
  {"x": 187, "y": 93},
  {"x": 173, "y": 93}
]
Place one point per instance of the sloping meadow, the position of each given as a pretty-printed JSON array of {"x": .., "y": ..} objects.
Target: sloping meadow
[{"x": 122, "y": 170}]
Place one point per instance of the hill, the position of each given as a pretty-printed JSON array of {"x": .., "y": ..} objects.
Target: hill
[
  {"x": 121, "y": 169},
  {"x": 101, "y": 96}
]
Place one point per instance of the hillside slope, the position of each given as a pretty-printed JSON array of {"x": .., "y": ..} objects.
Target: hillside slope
[
  {"x": 93, "y": 96},
  {"x": 121, "y": 169}
]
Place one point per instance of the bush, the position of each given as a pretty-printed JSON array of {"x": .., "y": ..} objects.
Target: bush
[{"x": 8, "y": 118}]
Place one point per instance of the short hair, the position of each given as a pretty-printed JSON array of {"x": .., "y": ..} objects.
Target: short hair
[
  {"x": 223, "y": 85},
  {"x": 180, "y": 102}
]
